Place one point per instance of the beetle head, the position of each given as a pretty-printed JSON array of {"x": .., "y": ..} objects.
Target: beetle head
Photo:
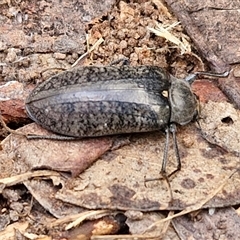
[{"x": 183, "y": 102}]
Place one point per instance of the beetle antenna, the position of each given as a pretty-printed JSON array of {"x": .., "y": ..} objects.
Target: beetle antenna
[{"x": 192, "y": 77}]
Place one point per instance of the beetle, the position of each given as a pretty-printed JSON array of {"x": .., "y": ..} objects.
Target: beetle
[{"x": 93, "y": 101}]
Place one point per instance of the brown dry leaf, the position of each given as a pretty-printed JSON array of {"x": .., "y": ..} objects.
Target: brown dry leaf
[
  {"x": 105, "y": 226},
  {"x": 208, "y": 91},
  {"x": 19, "y": 178},
  {"x": 9, "y": 233},
  {"x": 67, "y": 156},
  {"x": 140, "y": 225},
  {"x": 216, "y": 224},
  {"x": 44, "y": 193},
  {"x": 221, "y": 126},
  {"x": 119, "y": 183}
]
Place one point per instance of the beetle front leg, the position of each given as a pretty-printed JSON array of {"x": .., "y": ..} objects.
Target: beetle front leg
[
  {"x": 173, "y": 130},
  {"x": 165, "y": 153}
]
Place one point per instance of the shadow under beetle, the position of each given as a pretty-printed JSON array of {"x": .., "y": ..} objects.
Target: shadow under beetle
[{"x": 96, "y": 101}]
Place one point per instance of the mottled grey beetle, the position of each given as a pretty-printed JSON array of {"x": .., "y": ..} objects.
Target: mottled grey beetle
[{"x": 95, "y": 101}]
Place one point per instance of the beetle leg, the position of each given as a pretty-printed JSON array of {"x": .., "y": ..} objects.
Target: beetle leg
[
  {"x": 173, "y": 130},
  {"x": 165, "y": 158},
  {"x": 51, "y": 137},
  {"x": 123, "y": 61},
  {"x": 165, "y": 153}
]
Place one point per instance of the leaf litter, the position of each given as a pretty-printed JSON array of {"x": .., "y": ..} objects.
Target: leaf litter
[{"x": 117, "y": 180}]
